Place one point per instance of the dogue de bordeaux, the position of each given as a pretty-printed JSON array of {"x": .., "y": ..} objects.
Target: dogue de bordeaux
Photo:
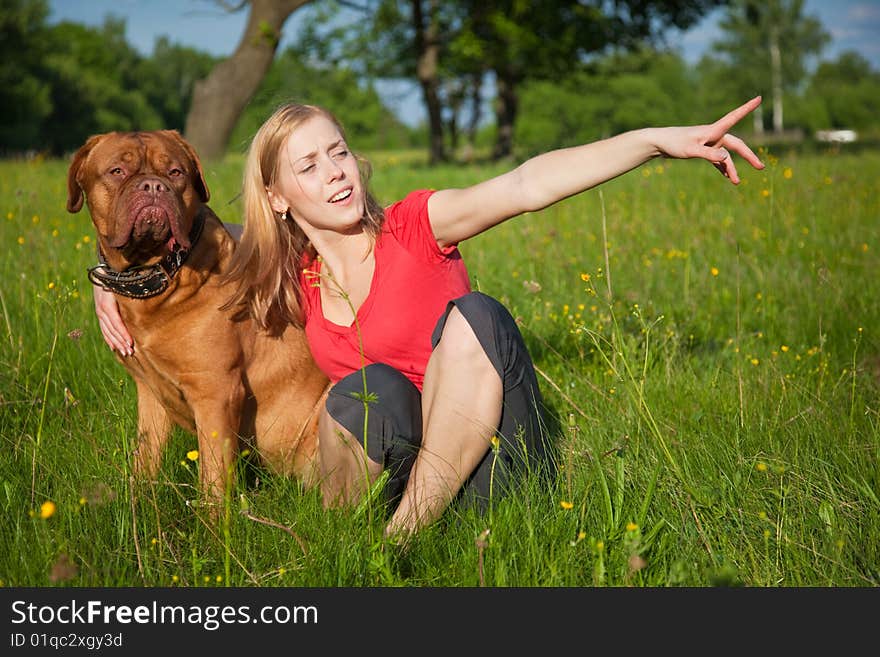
[{"x": 162, "y": 251}]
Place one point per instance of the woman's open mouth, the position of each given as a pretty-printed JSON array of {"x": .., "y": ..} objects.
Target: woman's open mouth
[{"x": 340, "y": 196}]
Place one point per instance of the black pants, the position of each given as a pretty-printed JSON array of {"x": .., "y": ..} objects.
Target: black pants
[{"x": 394, "y": 418}]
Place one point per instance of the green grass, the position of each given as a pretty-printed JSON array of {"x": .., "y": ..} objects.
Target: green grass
[{"x": 711, "y": 351}]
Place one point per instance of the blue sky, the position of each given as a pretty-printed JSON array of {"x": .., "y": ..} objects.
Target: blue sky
[{"x": 201, "y": 24}]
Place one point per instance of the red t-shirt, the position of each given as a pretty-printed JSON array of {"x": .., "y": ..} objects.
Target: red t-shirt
[{"x": 412, "y": 282}]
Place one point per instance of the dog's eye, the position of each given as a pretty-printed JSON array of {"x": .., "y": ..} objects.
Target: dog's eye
[
  {"x": 116, "y": 171},
  {"x": 175, "y": 172}
]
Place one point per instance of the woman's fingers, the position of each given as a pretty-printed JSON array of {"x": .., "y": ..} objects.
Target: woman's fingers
[
  {"x": 727, "y": 167},
  {"x": 117, "y": 339},
  {"x": 742, "y": 149},
  {"x": 723, "y": 161},
  {"x": 720, "y": 142},
  {"x": 109, "y": 320},
  {"x": 723, "y": 125}
]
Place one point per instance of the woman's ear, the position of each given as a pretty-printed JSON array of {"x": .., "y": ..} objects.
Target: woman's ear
[{"x": 277, "y": 203}]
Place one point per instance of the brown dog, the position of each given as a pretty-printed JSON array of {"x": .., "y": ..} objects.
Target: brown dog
[{"x": 162, "y": 251}]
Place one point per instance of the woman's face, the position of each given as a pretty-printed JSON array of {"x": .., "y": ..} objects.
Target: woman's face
[{"x": 318, "y": 179}]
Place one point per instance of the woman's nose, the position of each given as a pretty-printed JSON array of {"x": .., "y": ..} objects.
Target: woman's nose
[{"x": 333, "y": 170}]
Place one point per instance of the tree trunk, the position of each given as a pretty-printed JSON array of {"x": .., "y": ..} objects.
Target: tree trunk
[
  {"x": 506, "y": 108},
  {"x": 776, "y": 79},
  {"x": 428, "y": 52},
  {"x": 476, "y": 101},
  {"x": 758, "y": 121},
  {"x": 220, "y": 98}
]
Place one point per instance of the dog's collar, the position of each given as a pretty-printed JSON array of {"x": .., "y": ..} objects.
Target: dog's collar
[{"x": 145, "y": 281}]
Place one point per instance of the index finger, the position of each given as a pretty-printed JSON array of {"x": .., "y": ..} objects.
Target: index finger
[{"x": 733, "y": 117}]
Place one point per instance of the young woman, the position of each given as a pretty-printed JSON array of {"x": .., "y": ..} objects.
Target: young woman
[{"x": 453, "y": 403}]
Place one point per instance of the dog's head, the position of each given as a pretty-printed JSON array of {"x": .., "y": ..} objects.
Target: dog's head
[{"x": 143, "y": 191}]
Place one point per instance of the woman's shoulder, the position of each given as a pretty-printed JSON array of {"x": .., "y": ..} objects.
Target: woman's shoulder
[
  {"x": 408, "y": 221},
  {"x": 414, "y": 203}
]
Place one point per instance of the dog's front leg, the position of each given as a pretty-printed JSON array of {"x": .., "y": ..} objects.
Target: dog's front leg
[
  {"x": 154, "y": 428},
  {"x": 217, "y": 424}
]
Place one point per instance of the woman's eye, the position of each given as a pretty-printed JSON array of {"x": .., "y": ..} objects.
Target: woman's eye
[
  {"x": 307, "y": 168},
  {"x": 341, "y": 154}
]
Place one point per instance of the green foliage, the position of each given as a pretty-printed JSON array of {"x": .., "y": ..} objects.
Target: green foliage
[
  {"x": 61, "y": 83},
  {"x": 846, "y": 93},
  {"x": 92, "y": 74},
  {"x": 617, "y": 93},
  {"x": 24, "y": 93},
  {"x": 368, "y": 122},
  {"x": 749, "y": 27},
  {"x": 167, "y": 79},
  {"x": 715, "y": 346}
]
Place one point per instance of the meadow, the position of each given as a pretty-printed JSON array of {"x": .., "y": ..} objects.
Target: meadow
[{"x": 711, "y": 353}]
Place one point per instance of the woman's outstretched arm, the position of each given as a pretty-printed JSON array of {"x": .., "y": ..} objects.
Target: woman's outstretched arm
[{"x": 457, "y": 214}]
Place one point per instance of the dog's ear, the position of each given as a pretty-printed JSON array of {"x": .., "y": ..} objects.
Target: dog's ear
[
  {"x": 74, "y": 188},
  {"x": 199, "y": 179}
]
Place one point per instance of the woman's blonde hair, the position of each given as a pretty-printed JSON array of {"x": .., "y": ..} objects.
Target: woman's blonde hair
[{"x": 264, "y": 272}]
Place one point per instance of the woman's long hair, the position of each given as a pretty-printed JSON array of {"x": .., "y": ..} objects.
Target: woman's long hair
[{"x": 264, "y": 273}]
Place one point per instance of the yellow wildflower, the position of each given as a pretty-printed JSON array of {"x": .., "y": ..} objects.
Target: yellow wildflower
[
  {"x": 566, "y": 505},
  {"x": 192, "y": 455},
  {"x": 47, "y": 509}
]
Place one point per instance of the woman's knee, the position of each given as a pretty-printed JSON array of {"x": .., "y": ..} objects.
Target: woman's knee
[
  {"x": 458, "y": 341},
  {"x": 389, "y": 404}
]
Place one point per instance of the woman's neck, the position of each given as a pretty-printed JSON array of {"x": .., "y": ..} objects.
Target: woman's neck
[{"x": 342, "y": 253}]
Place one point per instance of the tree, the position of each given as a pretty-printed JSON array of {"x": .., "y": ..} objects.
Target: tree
[
  {"x": 767, "y": 43},
  {"x": 368, "y": 123},
  {"x": 848, "y": 90},
  {"x": 167, "y": 79},
  {"x": 219, "y": 99},
  {"x": 94, "y": 77},
  {"x": 24, "y": 93},
  {"x": 615, "y": 93},
  {"x": 520, "y": 41},
  {"x": 406, "y": 39}
]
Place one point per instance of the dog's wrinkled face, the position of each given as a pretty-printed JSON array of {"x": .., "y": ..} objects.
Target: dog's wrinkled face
[{"x": 143, "y": 190}]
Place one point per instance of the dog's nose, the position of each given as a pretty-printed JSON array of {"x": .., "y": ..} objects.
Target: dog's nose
[{"x": 153, "y": 186}]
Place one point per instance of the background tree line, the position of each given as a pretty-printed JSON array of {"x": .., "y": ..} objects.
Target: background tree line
[{"x": 558, "y": 73}]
